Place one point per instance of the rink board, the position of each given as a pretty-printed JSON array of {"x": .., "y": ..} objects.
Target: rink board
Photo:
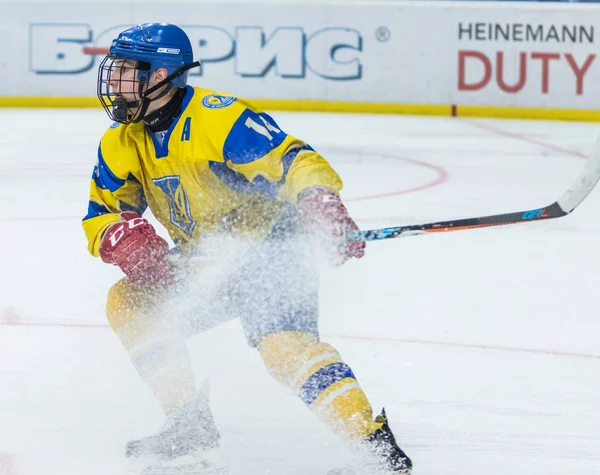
[{"x": 438, "y": 58}]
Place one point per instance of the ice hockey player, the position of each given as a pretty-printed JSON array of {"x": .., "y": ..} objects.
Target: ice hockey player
[{"x": 210, "y": 164}]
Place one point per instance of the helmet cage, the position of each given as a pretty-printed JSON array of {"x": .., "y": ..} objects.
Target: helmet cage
[
  {"x": 112, "y": 71},
  {"x": 115, "y": 105}
]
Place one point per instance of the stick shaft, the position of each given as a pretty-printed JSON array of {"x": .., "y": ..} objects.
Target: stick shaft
[{"x": 584, "y": 184}]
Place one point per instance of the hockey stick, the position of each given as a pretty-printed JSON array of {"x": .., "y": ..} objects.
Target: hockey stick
[{"x": 584, "y": 184}]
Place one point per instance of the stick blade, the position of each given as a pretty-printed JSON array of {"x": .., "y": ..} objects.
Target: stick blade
[{"x": 584, "y": 184}]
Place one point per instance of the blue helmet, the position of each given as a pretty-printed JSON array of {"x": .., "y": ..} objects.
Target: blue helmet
[
  {"x": 161, "y": 45},
  {"x": 150, "y": 47}
]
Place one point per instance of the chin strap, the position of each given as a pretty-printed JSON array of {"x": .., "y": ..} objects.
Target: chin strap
[{"x": 121, "y": 106}]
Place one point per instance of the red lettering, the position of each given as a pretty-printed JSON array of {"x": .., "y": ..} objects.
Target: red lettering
[
  {"x": 487, "y": 65},
  {"x": 500, "y": 73},
  {"x": 579, "y": 72},
  {"x": 546, "y": 58}
]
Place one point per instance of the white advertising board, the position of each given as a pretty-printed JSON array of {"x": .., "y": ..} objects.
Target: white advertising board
[{"x": 520, "y": 54}]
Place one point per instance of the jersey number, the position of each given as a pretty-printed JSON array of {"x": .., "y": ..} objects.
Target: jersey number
[
  {"x": 252, "y": 136},
  {"x": 264, "y": 130}
]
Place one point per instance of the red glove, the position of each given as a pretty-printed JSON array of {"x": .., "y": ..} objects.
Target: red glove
[
  {"x": 134, "y": 246},
  {"x": 324, "y": 216}
]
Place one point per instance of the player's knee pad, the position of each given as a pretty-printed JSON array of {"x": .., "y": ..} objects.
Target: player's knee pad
[
  {"x": 123, "y": 304},
  {"x": 134, "y": 314}
]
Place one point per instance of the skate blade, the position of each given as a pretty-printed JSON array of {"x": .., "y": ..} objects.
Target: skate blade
[
  {"x": 350, "y": 470},
  {"x": 201, "y": 462}
]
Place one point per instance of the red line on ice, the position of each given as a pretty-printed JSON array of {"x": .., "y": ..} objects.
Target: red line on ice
[
  {"x": 414, "y": 341},
  {"x": 526, "y": 138},
  {"x": 442, "y": 175},
  {"x": 472, "y": 345}
]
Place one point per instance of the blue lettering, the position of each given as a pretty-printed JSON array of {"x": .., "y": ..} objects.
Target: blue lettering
[
  {"x": 533, "y": 214},
  {"x": 185, "y": 135}
]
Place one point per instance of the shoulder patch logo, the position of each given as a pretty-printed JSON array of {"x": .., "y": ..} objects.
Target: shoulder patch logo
[
  {"x": 216, "y": 101},
  {"x": 114, "y": 125}
]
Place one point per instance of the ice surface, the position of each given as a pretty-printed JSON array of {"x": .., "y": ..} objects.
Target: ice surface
[{"x": 482, "y": 345}]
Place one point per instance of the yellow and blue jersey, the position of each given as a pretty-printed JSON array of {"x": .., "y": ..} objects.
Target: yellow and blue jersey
[{"x": 222, "y": 164}]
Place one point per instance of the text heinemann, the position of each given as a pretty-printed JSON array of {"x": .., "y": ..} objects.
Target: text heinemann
[{"x": 526, "y": 32}]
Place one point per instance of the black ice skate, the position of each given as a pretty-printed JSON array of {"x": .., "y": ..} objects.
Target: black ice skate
[
  {"x": 188, "y": 442},
  {"x": 383, "y": 445},
  {"x": 378, "y": 454}
]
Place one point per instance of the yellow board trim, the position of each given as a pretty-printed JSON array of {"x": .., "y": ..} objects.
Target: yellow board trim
[
  {"x": 300, "y": 105},
  {"x": 528, "y": 113},
  {"x": 49, "y": 102},
  {"x": 352, "y": 107}
]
